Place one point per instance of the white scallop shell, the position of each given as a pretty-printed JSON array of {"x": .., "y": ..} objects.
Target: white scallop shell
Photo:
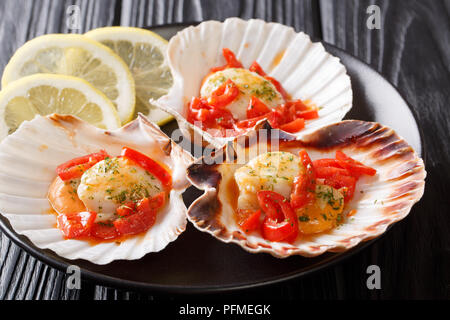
[
  {"x": 305, "y": 69},
  {"x": 28, "y": 159},
  {"x": 379, "y": 201}
]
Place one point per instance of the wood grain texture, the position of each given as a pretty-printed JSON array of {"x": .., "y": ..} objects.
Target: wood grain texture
[
  {"x": 300, "y": 14},
  {"x": 410, "y": 50},
  {"x": 22, "y": 276}
]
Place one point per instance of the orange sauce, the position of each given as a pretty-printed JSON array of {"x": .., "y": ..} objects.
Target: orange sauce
[
  {"x": 277, "y": 59},
  {"x": 232, "y": 194}
]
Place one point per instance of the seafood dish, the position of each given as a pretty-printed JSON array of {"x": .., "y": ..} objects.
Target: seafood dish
[
  {"x": 241, "y": 72},
  {"x": 327, "y": 191},
  {"x": 93, "y": 194}
]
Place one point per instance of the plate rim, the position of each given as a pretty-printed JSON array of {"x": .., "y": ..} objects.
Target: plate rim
[{"x": 50, "y": 258}]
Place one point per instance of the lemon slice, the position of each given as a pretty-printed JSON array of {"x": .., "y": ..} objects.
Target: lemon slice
[
  {"x": 45, "y": 94},
  {"x": 144, "y": 52},
  {"x": 76, "y": 55}
]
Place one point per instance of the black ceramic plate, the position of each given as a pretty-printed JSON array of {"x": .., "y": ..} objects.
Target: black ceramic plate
[{"x": 197, "y": 262}]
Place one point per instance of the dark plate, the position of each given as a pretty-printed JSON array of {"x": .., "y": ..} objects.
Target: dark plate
[{"x": 197, "y": 262}]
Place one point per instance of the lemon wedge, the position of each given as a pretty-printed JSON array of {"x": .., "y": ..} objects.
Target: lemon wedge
[
  {"x": 43, "y": 94},
  {"x": 79, "y": 56},
  {"x": 144, "y": 52}
]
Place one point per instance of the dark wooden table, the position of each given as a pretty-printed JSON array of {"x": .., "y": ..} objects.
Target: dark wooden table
[{"x": 412, "y": 50}]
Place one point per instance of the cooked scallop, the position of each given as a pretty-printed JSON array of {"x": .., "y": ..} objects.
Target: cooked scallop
[
  {"x": 114, "y": 181},
  {"x": 249, "y": 84},
  {"x": 274, "y": 171}
]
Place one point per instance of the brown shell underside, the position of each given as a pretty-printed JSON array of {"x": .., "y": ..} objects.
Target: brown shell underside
[{"x": 383, "y": 143}]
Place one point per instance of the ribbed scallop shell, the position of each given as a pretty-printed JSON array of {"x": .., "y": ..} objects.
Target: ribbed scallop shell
[
  {"x": 304, "y": 68},
  {"x": 28, "y": 159},
  {"x": 379, "y": 201}
]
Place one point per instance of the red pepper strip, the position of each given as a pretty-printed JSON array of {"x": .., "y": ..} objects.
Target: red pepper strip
[
  {"x": 355, "y": 167},
  {"x": 256, "y": 108},
  {"x": 197, "y": 110},
  {"x": 297, "y": 106},
  {"x": 327, "y": 163},
  {"x": 255, "y": 67},
  {"x": 269, "y": 202},
  {"x": 232, "y": 61},
  {"x": 126, "y": 209},
  {"x": 339, "y": 182},
  {"x": 249, "y": 123},
  {"x": 327, "y": 172},
  {"x": 104, "y": 231},
  {"x": 149, "y": 165},
  {"x": 76, "y": 224},
  {"x": 157, "y": 201},
  {"x": 293, "y": 126},
  {"x": 250, "y": 220},
  {"x": 307, "y": 115},
  {"x": 143, "y": 219},
  {"x": 273, "y": 228},
  {"x": 279, "y": 87},
  {"x": 223, "y": 95},
  {"x": 76, "y": 167},
  {"x": 304, "y": 187},
  {"x": 277, "y": 117},
  {"x": 200, "y": 111}
]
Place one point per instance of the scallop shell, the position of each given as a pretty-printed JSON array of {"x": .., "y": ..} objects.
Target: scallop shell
[
  {"x": 304, "y": 68},
  {"x": 28, "y": 159},
  {"x": 379, "y": 201}
]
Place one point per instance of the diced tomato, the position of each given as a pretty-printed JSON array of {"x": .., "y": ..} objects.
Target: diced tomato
[
  {"x": 76, "y": 224},
  {"x": 104, "y": 231},
  {"x": 280, "y": 223},
  {"x": 249, "y": 220},
  {"x": 149, "y": 165},
  {"x": 76, "y": 167},
  {"x": 232, "y": 61},
  {"x": 304, "y": 187},
  {"x": 223, "y": 95},
  {"x": 256, "y": 108},
  {"x": 293, "y": 126},
  {"x": 255, "y": 67},
  {"x": 355, "y": 167},
  {"x": 126, "y": 209}
]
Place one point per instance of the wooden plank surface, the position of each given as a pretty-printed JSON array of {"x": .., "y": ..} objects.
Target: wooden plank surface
[
  {"x": 22, "y": 276},
  {"x": 411, "y": 50}
]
